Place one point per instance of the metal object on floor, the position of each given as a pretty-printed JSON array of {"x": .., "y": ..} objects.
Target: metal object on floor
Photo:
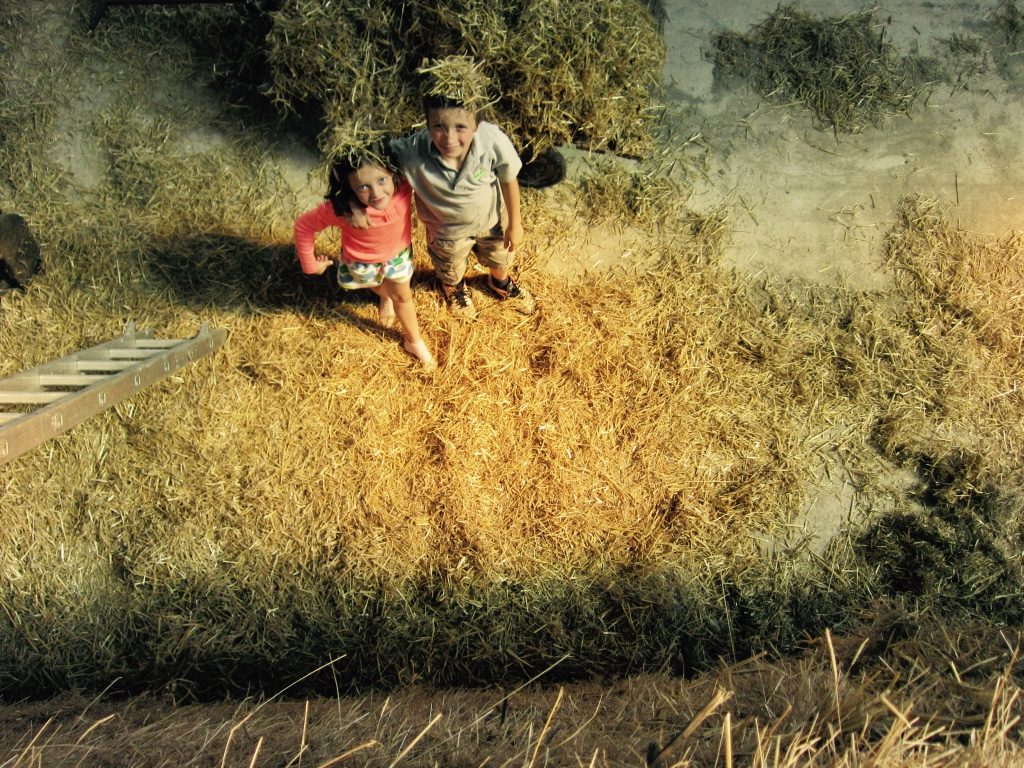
[
  {"x": 19, "y": 253},
  {"x": 66, "y": 392},
  {"x": 543, "y": 170}
]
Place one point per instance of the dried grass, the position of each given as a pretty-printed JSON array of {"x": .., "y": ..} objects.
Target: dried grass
[
  {"x": 604, "y": 487},
  {"x": 900, "y": 691},
  {"x": 1009, "y": 21},
  {"x": 647, "y": 195},
  {"x": 458, "y": 78},
  {"x": 345, "y": 61},
  {"x": 560, "y": 73},
  {"x": 841, "y": 69}
]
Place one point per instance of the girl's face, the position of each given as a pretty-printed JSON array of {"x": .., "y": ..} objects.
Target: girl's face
[
  {"x": 373, "y": 186},
  {"x": 452, "y": 130}
]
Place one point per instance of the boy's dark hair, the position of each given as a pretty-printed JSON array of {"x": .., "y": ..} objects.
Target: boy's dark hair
[
  {"x": 436, "y": 101},
  {"x": 339, "y": 191}
]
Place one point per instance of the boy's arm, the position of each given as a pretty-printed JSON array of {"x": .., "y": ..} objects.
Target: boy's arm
[
  {"x": 357, "y": 216},
  {"x": 514, "y": 230}
]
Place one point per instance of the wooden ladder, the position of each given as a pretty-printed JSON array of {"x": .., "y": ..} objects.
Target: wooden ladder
[{"x": 64, "y": 393}]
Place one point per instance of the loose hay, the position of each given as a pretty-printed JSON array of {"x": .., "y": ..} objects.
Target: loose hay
[
  {"x": 561, "y": 73},
  {"x": 1009, "y": 21},
  {"x": 458, "y": 78},
  {"x": 903, "y": 689},
  {"x": 647, "y": 195},
  {"x": 841, "y": 69},
  {"x": 599, "y": 488}
]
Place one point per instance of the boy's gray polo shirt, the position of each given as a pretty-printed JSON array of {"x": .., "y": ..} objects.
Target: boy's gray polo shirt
[{"x": 464, "y": 203}]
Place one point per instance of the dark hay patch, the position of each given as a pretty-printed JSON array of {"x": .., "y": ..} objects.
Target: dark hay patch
[{"x": 841, "y": 69}]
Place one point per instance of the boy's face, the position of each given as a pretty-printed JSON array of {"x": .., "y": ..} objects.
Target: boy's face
[
  {"x": 452, "y": 130},
  {"x": 373, "y": 186}
]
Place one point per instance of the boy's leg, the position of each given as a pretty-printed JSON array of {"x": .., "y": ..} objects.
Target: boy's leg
[
  {"x": 450, "y": 259},
  {"x": 492, "y": 253}
]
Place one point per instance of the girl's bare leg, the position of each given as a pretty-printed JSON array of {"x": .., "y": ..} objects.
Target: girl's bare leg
[
  {"x": 405, "y": 310},
  {"x": 385, "y": 309}
]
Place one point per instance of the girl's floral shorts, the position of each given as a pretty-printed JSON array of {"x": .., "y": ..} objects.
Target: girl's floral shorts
[{"x": 360, "y": 274}]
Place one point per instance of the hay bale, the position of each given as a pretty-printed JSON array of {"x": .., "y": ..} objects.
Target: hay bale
[
  {"x": 341, "y": 62},
  {"x": 584, "y": 73}
]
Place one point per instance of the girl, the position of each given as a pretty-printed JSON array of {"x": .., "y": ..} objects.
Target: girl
[{"x": 378, "y": 257}]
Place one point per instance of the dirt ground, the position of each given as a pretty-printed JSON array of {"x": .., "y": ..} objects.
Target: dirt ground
[
  {"x": 807, "y": 204},
  {"x": 817, "y": 207}
]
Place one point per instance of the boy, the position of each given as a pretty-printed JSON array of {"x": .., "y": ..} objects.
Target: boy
[{"x": 463, "y": 171}]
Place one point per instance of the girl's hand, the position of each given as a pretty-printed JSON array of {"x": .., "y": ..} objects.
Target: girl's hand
[{"x": 323, "y": 263}]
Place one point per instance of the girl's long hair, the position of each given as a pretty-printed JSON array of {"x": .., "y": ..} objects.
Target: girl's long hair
[{"x": 339, "y": 191}]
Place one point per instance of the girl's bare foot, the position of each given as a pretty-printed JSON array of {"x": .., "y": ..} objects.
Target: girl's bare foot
[{"x": 420, "y": 352}]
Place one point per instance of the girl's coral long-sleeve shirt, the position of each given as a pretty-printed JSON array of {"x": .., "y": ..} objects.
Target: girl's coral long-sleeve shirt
[{"x": 390, "y": 231}]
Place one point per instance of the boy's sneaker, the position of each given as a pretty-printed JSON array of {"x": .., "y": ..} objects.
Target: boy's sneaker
[
  {"x": 460, "y": 303},
  {"x": 522, "y": 300}
]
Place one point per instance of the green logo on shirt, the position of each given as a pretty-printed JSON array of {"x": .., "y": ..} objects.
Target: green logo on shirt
[{"x": 479, "y": 173}]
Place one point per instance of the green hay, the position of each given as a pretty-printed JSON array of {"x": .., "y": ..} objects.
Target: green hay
[
  {"x": 1009, "y": 21},
  {"x": 560, "y": 73},
  {"x": 841, "y": 69},
  {"x": 646, "y": 195}
]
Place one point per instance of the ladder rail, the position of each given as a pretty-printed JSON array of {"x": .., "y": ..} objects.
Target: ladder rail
[{"x": 128, "y": 371}]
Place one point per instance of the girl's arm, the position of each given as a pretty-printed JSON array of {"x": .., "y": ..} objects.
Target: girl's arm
[
  {"x": 306, "y": 228},
  {"x": 514, "y": 230}
]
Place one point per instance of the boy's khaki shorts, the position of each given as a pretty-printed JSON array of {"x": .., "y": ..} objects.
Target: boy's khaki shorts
[{"x": 451, "y": 257}]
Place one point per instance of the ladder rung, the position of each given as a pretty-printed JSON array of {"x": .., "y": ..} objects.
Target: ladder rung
[
  {"x": 158, "y": 343},
  {"x": 131, "y": 353},
  {"x": 30, "y": 398},
  {"x": 69, "y": 379},
  {"x": 5, "y": 417},
  {"x": 104, "y": 365}
]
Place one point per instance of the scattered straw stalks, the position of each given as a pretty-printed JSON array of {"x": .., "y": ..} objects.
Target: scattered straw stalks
[
  {"x": 841, "y": 69},
  {"x": 599, "y": 489},
  {"x": 1009, "y": 21},
  {"x": 901, "y": 690}
]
